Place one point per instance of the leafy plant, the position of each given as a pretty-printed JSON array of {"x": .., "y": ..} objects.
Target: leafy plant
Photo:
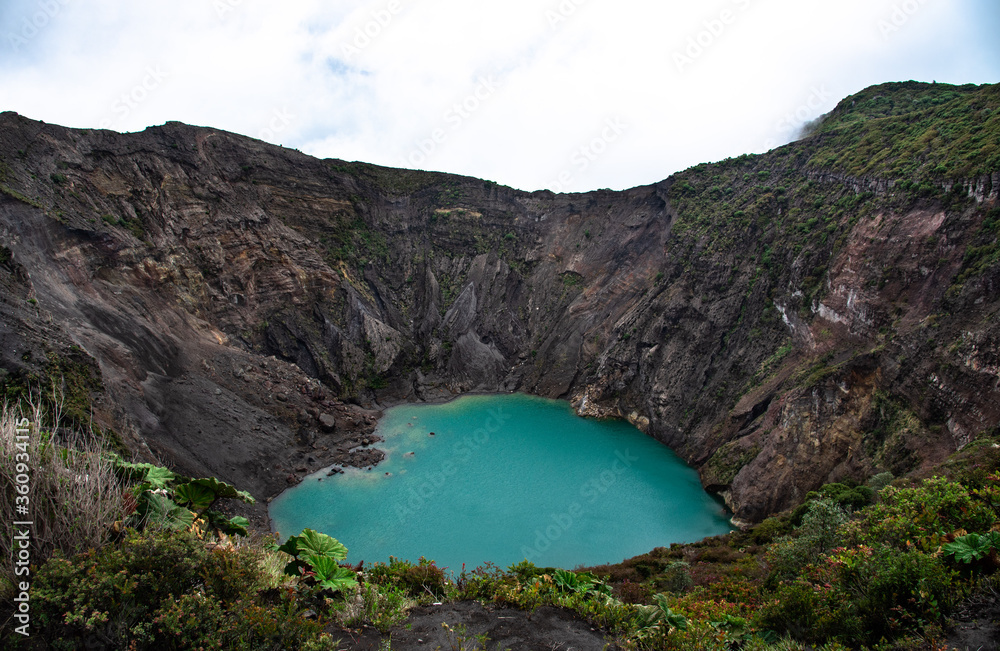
[
  {"x": 425, "y": 579},
  {"x": 315, "y": 555},
  {"x": 164, "y": 498},
  {"x": 581, "y": 583},
  {"x": 163, "y": 589},
  {"x": 383, "y": 606},
  {"x": 973, "y": 547},
  {"x": 656, "y": 622}
]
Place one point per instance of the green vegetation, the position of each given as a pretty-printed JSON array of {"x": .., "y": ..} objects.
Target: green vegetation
[
  {"x": 974, "y": 547},
  {"x": 131, "y": 224},
  {"x": 148, "y": 561},
  {"x": 571, "y": 279},
  {"x": 163, "y": 499},
  {"x": 133, "y": 555},
  {"x": 877, "y": 577},
  {"x": 984, "y": 251},
  {"x": 394, "y": 181},
  {"x": 140, "y": 557},
  {"x": 72, "y": 379},
  {"x": 728, "y": 460},
  {"x": 914, "y": 131},
  {"x": 170, "y": 590},
  {"x": 315, "y": 555},
  {"x": 14, "y": 194}
]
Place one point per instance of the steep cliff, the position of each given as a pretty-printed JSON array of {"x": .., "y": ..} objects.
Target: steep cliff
[{"x": 824, "y": 311}]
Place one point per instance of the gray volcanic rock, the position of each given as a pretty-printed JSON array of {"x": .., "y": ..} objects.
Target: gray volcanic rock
[{"x": 780, "y": 324}]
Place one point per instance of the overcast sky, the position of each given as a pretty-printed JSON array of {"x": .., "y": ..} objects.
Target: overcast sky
[{"x": 569, "y": 95}]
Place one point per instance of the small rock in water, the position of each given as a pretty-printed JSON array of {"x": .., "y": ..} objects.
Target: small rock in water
[{"x": 431, "y": 434}]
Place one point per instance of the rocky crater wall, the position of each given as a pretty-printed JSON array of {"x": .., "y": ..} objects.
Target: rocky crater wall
[{"x": 249, "y": 309}]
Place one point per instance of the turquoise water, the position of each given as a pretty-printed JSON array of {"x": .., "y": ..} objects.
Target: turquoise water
[{"x": 504, "y": 478}]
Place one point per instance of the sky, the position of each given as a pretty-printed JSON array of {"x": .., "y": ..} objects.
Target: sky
[{"x": 566, "y": 95}]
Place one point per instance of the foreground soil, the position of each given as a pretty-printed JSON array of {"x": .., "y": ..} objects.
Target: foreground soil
[{"x": 545, "y": 629}]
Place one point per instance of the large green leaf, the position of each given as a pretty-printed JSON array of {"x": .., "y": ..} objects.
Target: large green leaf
[
  {"x": 659, "y": 620},
  {"x": 223, "y": 490},
  {"x": 329, "y": 575},
  {"x": 668, "y": 616},
  {"x": 973, "y": 547},
  {"x": 310, "y": 544},
  {"x": 582, "y": 582},
  {"x": 155, "y": 476},
  {"x": 314, "y": 543},
  {"x": 237, "y": 526},
  {"x": 290, "y": 546},
  {"x": 570, "y": 581},
  {"x": 194, "y": 495},
  {"x": 295, "y": 567},
  {"x": 162, "y": 511}
]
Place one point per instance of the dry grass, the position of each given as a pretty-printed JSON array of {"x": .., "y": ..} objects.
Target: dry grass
[{"x": 73, "y": 497}]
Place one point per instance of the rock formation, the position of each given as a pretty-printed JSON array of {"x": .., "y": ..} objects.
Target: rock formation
[{"x": 822, "y": 312}]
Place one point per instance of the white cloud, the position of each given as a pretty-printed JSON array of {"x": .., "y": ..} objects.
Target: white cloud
[{"x": 379, "y": 80}]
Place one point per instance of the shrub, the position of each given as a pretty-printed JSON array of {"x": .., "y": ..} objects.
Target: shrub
[
  {"x": 895, "y": 592},
  {"x": 383, "y": 606},
  {"x": 423, "y": 579},
  {"x": 880, "y": 481},
  {"x": 655, "y": 623},
  {"x": 632, "y": 593},
  {"x": 768, "y": 530},
  {"x": 167, "y": 590},
  {"x": 819, "y": 533},
  {"x": 921, "y": 516},
  {"x": 675, "y": 578},
  {"x": 165, "y": 499},
  {"x": 801, "y": 611},
  {"x": 480, "y": 583},
  {"x": 849, "y": 498}
]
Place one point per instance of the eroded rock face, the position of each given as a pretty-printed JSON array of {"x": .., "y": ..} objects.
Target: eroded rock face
[{"x": 247, "y": 304}]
